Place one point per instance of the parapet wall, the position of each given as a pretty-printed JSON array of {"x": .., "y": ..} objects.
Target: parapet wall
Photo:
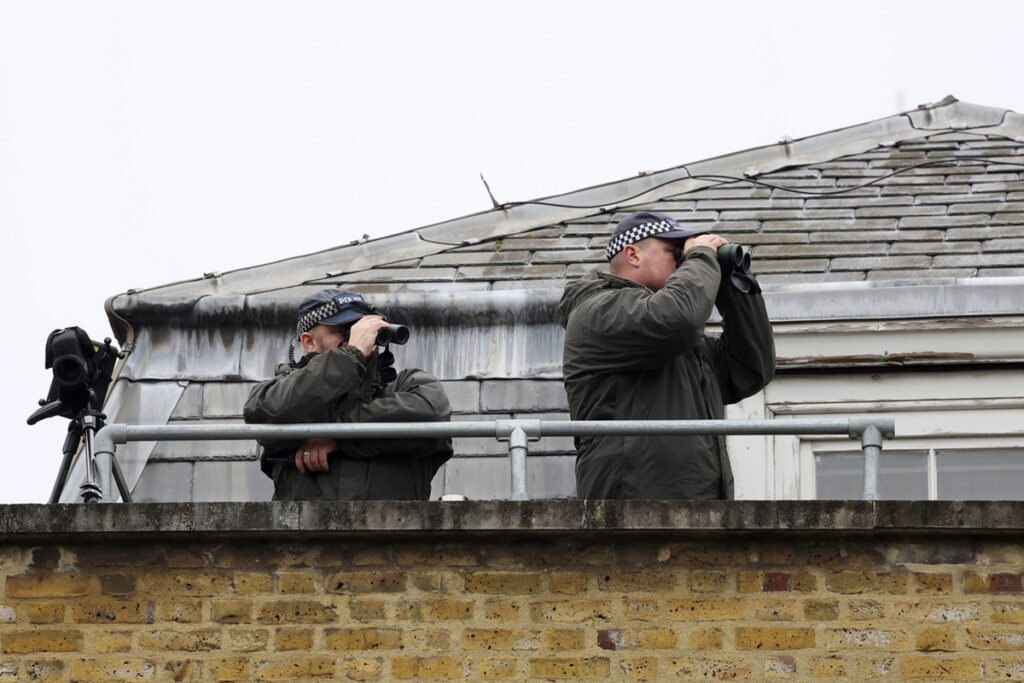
[{"x": 542, "y": 590}]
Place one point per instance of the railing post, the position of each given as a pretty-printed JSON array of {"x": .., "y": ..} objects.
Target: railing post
[
  {"x": 871, "y": 442},
  {"x": 518, "y": 433}
]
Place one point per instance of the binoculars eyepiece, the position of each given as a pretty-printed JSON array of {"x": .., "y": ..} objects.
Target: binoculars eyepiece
[{"x": 392, "y": 334}]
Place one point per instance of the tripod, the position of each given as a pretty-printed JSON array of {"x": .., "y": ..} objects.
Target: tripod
[{"x": 85, "y": 424}]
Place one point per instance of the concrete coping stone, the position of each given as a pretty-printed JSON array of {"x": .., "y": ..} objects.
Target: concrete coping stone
[{"x": 115, "y": 522}]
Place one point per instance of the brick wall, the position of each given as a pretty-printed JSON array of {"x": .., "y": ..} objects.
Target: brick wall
[{"x": 620, "y": 604}]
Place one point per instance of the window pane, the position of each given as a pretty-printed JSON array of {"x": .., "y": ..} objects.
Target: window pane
[
  {"x": 902, "y": 476},
  {"x": 995, "y": 475}
]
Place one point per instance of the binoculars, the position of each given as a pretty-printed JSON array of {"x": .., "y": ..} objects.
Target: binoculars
[
  {"x": 392, "y": 334},
  {"x": 734, "y": 260}
]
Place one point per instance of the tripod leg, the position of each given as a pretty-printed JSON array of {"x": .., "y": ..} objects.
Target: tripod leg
[{"x": 70, "y": 446}]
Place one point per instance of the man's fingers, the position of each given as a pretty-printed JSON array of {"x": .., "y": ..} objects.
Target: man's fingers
[{"x": 299, "y": 464}]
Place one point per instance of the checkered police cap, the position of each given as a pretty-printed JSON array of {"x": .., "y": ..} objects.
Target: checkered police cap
[
  {"x": 330, "y": 307},
  {"x": 643, "y": 224}
]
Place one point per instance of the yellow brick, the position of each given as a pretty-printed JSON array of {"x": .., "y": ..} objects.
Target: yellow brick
[
  {"x": 506, "y": 583},
  {"x": 231, "y": 669},
  {"x": 775, "y": 610},
  {"x": 938, "y": 612},
  {"x": 363, "y": 639},
  {"x": 780, "y": 666},
  {"x": 570, "y": 583},
  {"x": 297, "y": 612},
  {"x": 286, "y": 668},
  {"x": 750, "y": 582},
  {"x": 432, "y": 582},
  {"x": 936, "y": 638},
  {"x": 706, "y": 582},
  {"x": 108, "y": 641},
  {"x": 247, "y": 639},
  {"x": 623, "y": 582},
  {"x": 111, "y": 610},
  {"x": 230, "y": 611},
  {"x": 862, "y": 668},
  {"x": 366, "y": 582},
  {"x": 707, "y": 610},
  {"x": 948, "y": 668},
  {"x": 821, "y": 610},
  {"x": 201, "y": 640},
  {"x": 641, "y": 609},
  {"x": 47, "y": 586},
  {"x": 371, "y": 557},
  {"x": 296, "y": 582},
  {"x": 803, "y": 582},
  {"x": 995, "y": 639},
  {"x": 569, "y": 667},
  {"x": 563, "y": 639},
  {"x": 974, "y": 583},
  {"x": 448, "y": 666},
  {"x": 1008, "y": 613},
  {"x": 502, "y": 610},
  {"x": 453, "y": 555},
  {"x": 291, "y": 639},
  {"x": 253, "y": 582},
  {"x": 640, "y": 668},
  {"x": 572, "y": 611},
  {"x": 180, "y": 611},
  {"x": 852, "y": 582},
  {"x": 1006, "y": 668},
  {"x": 500, "y": 639},
  {"x": 933, "y": 584},
  {"x": 188, "y": 583},
  {"x": 652, "y": 638},
  {"x": 754, "y": 638},
  {"x": 117, "y": 584},
  {"x": 21, "y": 642},
  {"x": 865, "y": 638},
  {"x": 866, "y": 610},
  {"x": 111, "y": 669},
  {"x": 45, "y": 612},
  {"x": 9, "y": 667},
  {"x": 431, "y": 639},
  {"x": 368, "y": 610},
  {"x": 494, "y": 669},
  {"x": 362, "y": 668},
  {"x": 827, "y": 667},
  {"x": 707, "y": 639},
  {"x": 446, "y": 609},
  {"x": 701, "y": 666},
  {"x": 43, "y": 671}
]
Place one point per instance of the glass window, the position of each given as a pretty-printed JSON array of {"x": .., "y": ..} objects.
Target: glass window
[
  {"x": 902, "y": 476},
  {"x": 980, "y": 475}
]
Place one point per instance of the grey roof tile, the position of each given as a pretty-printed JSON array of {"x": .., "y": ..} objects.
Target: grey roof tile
[
  {"x": 874, "y": 235},
  {"x": 898, "y": 211},
  {"x": 727, "y": 204},
  {"x": 934, "y": 247},
  {"x": 789, "y": 265},
  {"x": 983, "y": 232},
  {"x": 507, "y": 285},
  {"x": 225, "y": 399},
  {"x": 985, "y": 260},
  {"x": 388, "y": 274},
  {"x": 1011, "y": 244},
  {"x": 1007, "y": 219},
  {"x": 775, "y": 238},
  {"x": 461, "y": 258},
  {"x": 534, "y": 243},
  {"x": 826, "y": 225},
  {"x": 809, "y": 277},
  {"x": 916, "y": 274},
  {"x": 911, "y": 222},
  {"x": 987, "y": 207},
  {"x": 1001, "y": 272},
  {"x": 791, "y": 214},
  {"x": 880, "y": 263},
  {"x": 787, "y": 251},
  {"x": 464, "y": 395},
  {"x": 190, "y": 405},
  {"x": 526, "y": 272},
  {"x": 238, "y": 481},
  {"x": 588, "y": 255}
]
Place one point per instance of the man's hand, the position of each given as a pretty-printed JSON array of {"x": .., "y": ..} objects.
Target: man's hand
[
  {"x": 363, "y": 334},
  {"x": 312, "y": 455},
  {"x": 705, "y": 240}
]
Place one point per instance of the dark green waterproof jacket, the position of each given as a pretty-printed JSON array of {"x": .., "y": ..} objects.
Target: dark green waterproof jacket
[
  {"x": 342, "y": 385},
  {"x": 634, "y": 354}
]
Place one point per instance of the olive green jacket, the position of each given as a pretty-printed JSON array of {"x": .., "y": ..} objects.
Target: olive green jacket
[
  {"x": 634, "y": 354},
  {"x": 341, "y": 385}
]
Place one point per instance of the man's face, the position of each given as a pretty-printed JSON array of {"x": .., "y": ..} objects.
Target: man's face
[
  {"x": 657, "y": 261},
  {"x": 325, "y": 337}
]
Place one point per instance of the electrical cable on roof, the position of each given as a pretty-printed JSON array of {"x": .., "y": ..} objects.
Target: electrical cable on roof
[{"x": 728, "y": 180}]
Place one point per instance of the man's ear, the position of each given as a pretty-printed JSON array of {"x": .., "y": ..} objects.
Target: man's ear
[
  {"x": 632, "y": 255},
  {"x": 307, "y": 342}
]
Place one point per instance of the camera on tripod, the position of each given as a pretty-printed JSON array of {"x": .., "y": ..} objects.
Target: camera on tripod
[{"x": 82, "y": 371}]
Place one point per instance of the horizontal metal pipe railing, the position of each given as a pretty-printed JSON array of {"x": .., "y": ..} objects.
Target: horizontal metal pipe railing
[{"x": 870, "y": 429}]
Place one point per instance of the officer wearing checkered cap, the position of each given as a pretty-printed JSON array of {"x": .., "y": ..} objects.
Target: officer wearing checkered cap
[
  {"x": 636, "y": 349},
  {"x": 341, "y": 378}
]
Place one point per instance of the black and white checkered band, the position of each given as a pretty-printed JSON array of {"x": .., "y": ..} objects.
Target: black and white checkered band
[
  {"x": 313, "y": 318},
  {"x": 637, "y": 233}
]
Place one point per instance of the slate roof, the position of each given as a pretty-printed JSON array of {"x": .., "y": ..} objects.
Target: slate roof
[{"x": 931, "y": 195}]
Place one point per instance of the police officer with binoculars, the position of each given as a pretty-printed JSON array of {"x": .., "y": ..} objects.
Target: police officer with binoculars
[{"x": 636, "y": 349}]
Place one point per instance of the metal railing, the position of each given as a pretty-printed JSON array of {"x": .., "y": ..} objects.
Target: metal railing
[{"x": 871, "y": 430}]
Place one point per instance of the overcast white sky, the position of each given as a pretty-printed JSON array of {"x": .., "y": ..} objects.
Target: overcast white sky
[{"x": 145, "y": 143}]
